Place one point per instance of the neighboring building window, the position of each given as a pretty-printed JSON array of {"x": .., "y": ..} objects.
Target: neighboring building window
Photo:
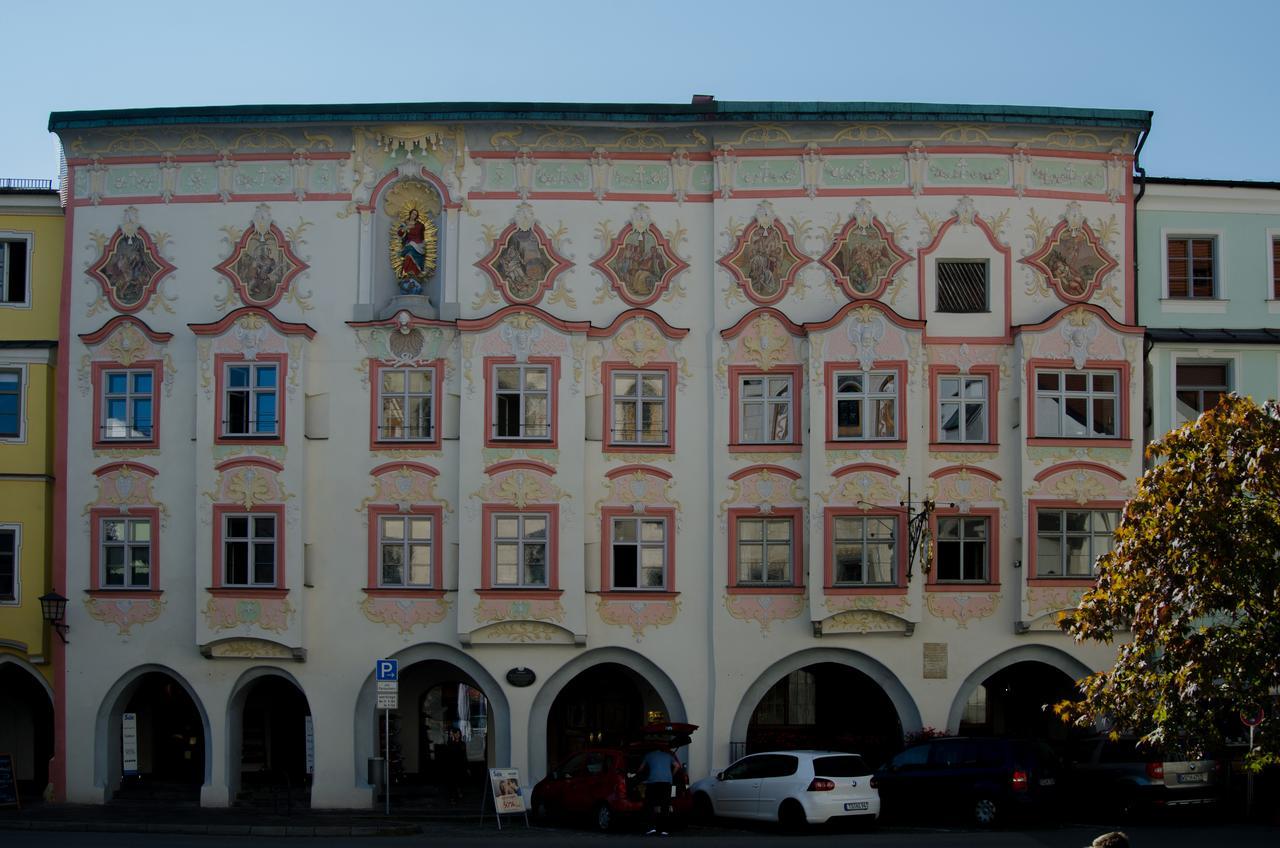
[
  {"x": 520, "y": 550},
  {"x": 405, "y": 398},
  {"x": 126, "y": 553},
  {"x": 128, "y": 405},
  {"x": 406, "y": 550},
  {"x": 13, "y": 272},
  {"x": 765, "y": 409},
  {"x": 1069, "y": 541},
  {"x": 1275, "y": 267},
  {"x": 864, "y": 550},
  {"x": 249, "y": 546},
  {"x": 640, "y": 408},
  {"x": 251, "y": 400},
  {"x": 8, "y": 563},
  {"x": 962, "y": 550},
  {"x": 962, "y": 285},
  {"x": 1077, "y": 404},
  {"x": 1192, "y": 267},
  {"x": 865, "y": 405},
  {"x": 764, "y": 551},
  {"x": 10, "y": 403},
  {"x": 962, "y": 409},
  {"x": 522, "y": 402},
  {"x": 639, "y": 553},
  {"x": 1200, "y": 385}
]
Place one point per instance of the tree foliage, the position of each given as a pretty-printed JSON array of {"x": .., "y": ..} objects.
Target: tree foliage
[{"x": 1194, "y": 578}]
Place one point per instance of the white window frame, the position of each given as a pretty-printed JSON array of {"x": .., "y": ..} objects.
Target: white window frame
[
  {"x": 639, "y": 545},
  {"x": 252, "y": 392},
  {"x": 6, "y": 270},
  {"x": 862, "y": 540},
  {"x": 1230, "y": 360},
  {"x": 963, "y": 403},
  {"x": 959, "y": 544},
  {"x": 867, "y": 402},
  {"x": 405, "y": 397},
  {"x": 521, "y": 541},
  {"x": 764, "y": 543},
  {"x": 1215, "y": 304},
  {"x": 16, "y": 530},
  {"x": 1273, "y": 280},
  {"x": 129, "y": 397},
  {"x": 1090, "y": 394},
  {"x": 1061, "y": 535},
  {"x": 251, "y": 542},
  {"x": 126, "y": 545},
  {"x": 405, "y": 544},
  {"x": 21, "y": 370},
  {"x": 523, "y": 394},
  {"x": 769, "y": 405},
  {"x": 639, "y": 401}
]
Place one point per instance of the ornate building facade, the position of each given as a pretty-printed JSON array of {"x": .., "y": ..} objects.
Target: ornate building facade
[{"x": 796, "y": 422}]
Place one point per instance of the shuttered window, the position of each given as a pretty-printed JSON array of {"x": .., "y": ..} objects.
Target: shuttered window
[{"x": 1193, "y": 268}]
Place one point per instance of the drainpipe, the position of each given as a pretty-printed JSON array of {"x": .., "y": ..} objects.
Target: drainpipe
[{"x": 1137, "y": 301}]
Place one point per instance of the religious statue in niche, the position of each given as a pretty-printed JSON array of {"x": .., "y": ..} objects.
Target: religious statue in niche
[
  {"x": 262, "y": 264},
  {"x": 1071, "y": 258},
  {"x": 130, "y": 267},
  {"x": 414, "y": 236},
  {"x": 764, "y": 259},
  {"x": 522, "y": 262}
]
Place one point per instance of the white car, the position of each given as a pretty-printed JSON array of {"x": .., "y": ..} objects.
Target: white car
[{"x": 791, "y": 787}]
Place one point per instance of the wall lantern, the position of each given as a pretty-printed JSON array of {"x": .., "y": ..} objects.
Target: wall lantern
[{"x": 54, "y": 608}]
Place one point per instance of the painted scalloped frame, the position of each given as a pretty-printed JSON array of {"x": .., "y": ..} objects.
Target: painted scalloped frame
[
  {"x": 488, "y": 264},
  {"x": 149, "y": 250},
  {"x": 1037, "y": 261},
  {"x": 900, "y": 258},
  {"x": 730, "y": 262},
  {"x": 295, "y": 265},
  {"x": 676, "y": 265}
]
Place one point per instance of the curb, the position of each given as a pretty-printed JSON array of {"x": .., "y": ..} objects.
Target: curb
[{"x": 213, "y": 829}]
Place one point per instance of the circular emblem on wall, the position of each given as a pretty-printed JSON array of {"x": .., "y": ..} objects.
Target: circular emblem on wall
[{"x": 521, "y": 676}]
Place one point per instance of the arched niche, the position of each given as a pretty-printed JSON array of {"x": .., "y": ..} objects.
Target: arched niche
[{"x": 408, "y": 249}]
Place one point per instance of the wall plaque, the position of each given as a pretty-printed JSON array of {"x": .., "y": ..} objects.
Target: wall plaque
[
  {"x": 521, "y": 676},
  {"x": 935, "y": 660}
]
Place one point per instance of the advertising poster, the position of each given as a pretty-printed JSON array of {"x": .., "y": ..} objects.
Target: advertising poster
[
  {"x": 508, "y": 797},
  {"x": 129, "y": 743}
]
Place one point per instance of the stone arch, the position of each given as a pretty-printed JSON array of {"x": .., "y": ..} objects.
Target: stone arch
[
  {"x": 235, "y": 717},
  {"x": 26, "y": 722},
  {"x": 540, "y": 711},
  {"x": 1050, "y": 656}
]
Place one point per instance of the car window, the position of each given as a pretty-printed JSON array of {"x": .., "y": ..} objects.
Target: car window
[
  {"x": 850, "y": 765},
  {"x": 912, "y": 757},
  {"x": 990, "y": 752},
  {"x": 954, "y": 753},
  {"x": 778, "y": 765},
  {"x": 574, "y": 766},
  {"x": 597, "y": 764},
  {"x": 743, "y": 769}
]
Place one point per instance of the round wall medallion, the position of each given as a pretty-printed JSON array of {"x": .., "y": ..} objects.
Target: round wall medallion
[{"x": 521, "y": 676}]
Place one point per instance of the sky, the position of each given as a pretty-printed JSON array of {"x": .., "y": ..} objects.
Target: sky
[{"x": 1206, "y": 69}]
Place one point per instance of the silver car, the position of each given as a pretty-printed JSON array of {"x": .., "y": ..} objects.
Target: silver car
[{"x": 791, "y": 787}]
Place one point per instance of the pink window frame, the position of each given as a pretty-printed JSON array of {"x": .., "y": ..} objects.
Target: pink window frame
[
  {"x": 992, "y": 373},
  {"x": 736, "y": 373},
  {"x": 1124, "y": 411},
  {"x": 216, "y": 587},
  {"x": 606, "y": 376},
  {"x": 552, "y": 589},
  {"x": 832, "y": 369},
  {"x": 374, "y": 587},
  {"x": 220, "y": 363},
  {"x": 553, "y": 405},
  {"x": 993, "y": 551},
  {"x": 96, "y": 516},
  {"x": 796, "y": 586},
  {"x": 829, "y": 586},
  {"x": 376, "y": 443},
  {"x": 1033, "y": 509},
  {"x": 156, "y": 367}
]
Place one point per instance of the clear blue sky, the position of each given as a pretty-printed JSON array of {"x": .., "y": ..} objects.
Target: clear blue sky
[{"x": 1205, "y": 68}]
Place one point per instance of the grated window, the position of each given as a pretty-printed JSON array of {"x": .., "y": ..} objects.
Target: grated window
[{"x": 962, "y": 286}]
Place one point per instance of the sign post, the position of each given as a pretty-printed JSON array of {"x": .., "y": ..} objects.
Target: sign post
[
  {"x": 387, "y": 675},
  {"x": 1250, "y": 718}
]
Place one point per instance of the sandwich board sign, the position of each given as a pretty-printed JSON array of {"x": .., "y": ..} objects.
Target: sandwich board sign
[
  {"x": 8, "y": 782},
  {"x": 507, "y": 795}
]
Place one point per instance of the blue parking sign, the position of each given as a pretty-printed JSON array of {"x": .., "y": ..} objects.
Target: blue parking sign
[{"x": 386, "y": 669}]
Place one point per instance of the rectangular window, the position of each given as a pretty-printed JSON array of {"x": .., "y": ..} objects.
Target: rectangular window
[
  {"x": 865, "y": 405},
  {"x": 639, "y": 408},
  {"x": 405, "y": 398},
  {"x": 962, "y": 550},
  {"x": 8, "y": 563},
  {"x": 249, "y": 549},
  {"x": 764, "y": 551},
  {"x": 13, "y": 272},
  {"x": 962, "y": 285},
  {"x": 765, "y": 410},
  {"x": 1077, "y": 404},
  {"x": 639, "y": 553},
  {"x": 10, "y": 403},
  {"x": 127, "y": 405},
  {"x": 1192, "y": 267},
  {"x": 962, "y": 409},
  {"x": 251, "y": 400},
  {"x": 863, "y": 550},
  {"x": 520, "y": 550},
  {"x": 1200, "y": 385},
  {"x": 126, "y": 553},
  {"x": 1069, "y": 541},
  {"x": 522, "y": 402},
  {"x": 406, "y": 558},
  {"x": 1275, "y": 267}
]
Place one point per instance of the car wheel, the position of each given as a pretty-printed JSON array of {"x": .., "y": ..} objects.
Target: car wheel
[
  {"x": 791, "y": 815},
  {"x": 604, "y": 818},
  {"x": 985, "y": 811},
  {"x": 703, "y": 809}
]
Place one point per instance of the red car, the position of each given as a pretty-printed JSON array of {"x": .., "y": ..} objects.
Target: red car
[{"x": 601, "y": 784}]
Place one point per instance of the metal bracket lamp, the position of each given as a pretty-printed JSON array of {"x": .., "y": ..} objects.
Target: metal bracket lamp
[{"x": 53, "y": 607}]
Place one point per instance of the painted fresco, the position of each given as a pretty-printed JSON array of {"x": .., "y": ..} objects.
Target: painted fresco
[{"x": 765, "y": 259}]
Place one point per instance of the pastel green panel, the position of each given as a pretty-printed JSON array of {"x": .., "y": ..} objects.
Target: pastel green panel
[
  {"x": 198, "y": 179},
  {"x": 853, "y": 173},
  {"x": 969, "y": 170},
  {"x": 644, "y": 178},
  {"x": 131, "y": 182},
  {"x": 562, "y": 176},
  {"x": 323, "y": 177},
  {"x": 766, "y": 173},
  {"x": 263, "y": 178},
  {"x": 81, "y": 188},
  {"x": 701, "y": 178},
  {"x": 499, "y": 175},
  {"x": 1083, "y": 176}
]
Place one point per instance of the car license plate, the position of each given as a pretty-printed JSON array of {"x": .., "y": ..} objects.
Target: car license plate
[
  {"x": 855, "y": 805},
  {"x": 1191, "y": 777}
]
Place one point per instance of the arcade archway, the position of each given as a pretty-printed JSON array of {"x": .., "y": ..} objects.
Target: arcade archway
[
  {"x": 26, "y": 726},
  {"x": 1013, "y": 694},
  {"x": 267, "y": 723}
]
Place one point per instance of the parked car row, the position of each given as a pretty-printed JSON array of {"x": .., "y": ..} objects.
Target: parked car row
[{"x": 981, "y": 780}]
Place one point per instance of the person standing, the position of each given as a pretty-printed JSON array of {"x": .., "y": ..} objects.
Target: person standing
[{"x": 658, "y": 769}]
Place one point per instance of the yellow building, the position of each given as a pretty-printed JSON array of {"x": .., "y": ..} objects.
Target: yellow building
[{"x": 31, "y": 250}]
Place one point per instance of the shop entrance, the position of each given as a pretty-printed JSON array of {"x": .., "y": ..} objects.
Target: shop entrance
[
  {"x": 1017, "y": 701},
  {"x": 171, "y": 748},
  {"x": 26, "y": 728},
  {"x": 606, "y": 705},
  {"x": 273, "y": 742}
]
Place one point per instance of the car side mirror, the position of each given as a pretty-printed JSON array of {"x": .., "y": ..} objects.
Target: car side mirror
[{"x": 719, "y": 775}]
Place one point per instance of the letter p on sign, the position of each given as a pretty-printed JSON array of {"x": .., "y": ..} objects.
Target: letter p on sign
[{"x": 386, "y": 669}]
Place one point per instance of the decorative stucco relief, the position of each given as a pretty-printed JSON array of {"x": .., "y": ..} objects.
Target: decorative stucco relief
[
  {"x": 404, "y": 485},
  {"x": 639, "y": 614},
  {"x": 129, "y": 268},
  {"x": 763, "y": 260},
  {"x": 640, "y": 264},
  {"x": 123, "y": 486},
  {"x": 405, "y": 614},
  {"x": 263, "y": 263},
  {"x": 249, "y": 336},
  {"x": 125, "y": 341},
  {"x": 864, "y": 256},
  {"x": 124, "y": 613},
  {"x": 523, "y": 262},
  {"x": 228, "y": 613},
  {"x": 962, "y": 608},
  {"x": 765, "y": 610}
]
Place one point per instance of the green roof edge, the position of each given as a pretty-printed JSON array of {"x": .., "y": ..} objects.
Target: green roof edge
[{"x": 617, "y": 112}]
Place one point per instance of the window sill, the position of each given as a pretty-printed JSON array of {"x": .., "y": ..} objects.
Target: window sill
[
  {"x": 962, "y": 587},
  {"x": 1204, "y": 305},
  {"x": 406, "y": 444},
  {"x": 964, "y": 447},
  {"x": 614, "y": 447},
  {"x": 248, "y": 440},
  {"x": 1273, "y": 306},
  {"x": 403, "y": 592},
  {"x": 766, "y": 447},
  {"x": 865, "y": 444},
  {"x": 1071, "y": 582},
  {"x": 643, "y": 594},
  {"x": 246, "y": 592},
  {"x": 1077, "y": 442},
  {"x": 126, "y": 444},
  {"x": 520, "y": 592},
  {"x": 765, "y": 590},
  {"x": 864, "y": 590},
  {"x": 124, "y": 593}
]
